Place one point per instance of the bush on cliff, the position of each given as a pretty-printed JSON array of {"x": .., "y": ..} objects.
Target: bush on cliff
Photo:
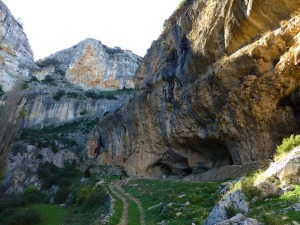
[{"x": 286, "y": 146}]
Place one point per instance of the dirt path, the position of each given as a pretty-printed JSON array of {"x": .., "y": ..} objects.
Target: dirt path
[
  {"x": 118, "y": 191},
  {"x": 113, "y": 186}
]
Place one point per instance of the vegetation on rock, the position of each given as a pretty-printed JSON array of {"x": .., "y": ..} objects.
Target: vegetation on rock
[{"x": 286, "y": 146}]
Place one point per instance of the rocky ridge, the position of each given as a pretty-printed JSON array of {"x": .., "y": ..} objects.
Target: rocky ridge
[{"x": 218, "y": 87}]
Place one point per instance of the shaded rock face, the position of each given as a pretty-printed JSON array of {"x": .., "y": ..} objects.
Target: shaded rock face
[
  {"x": 220, "y": 86},
  {"x": 16, "y": 57},
  {"x": 22, "y": 167},
  {"x": 91, "y": 64}
]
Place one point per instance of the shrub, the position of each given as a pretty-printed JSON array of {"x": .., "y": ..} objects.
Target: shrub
[
  {"x": 83, "y": 112},
  {"x": 286, "y": 146},
  {"x": 25, "y": 217},
  {"x": 11, "y": 202},
  {"x": 33, "y": 196},
  {"x": 33, "y": 79},
  {"x": 25, "y": 85},
  {"x": 106, "y": 113},
  {"x": 195, "y": 198},
  {"x": 181, "y": 4},
  {"x": 248, "y": 188},
  {"x": 271, "y": 219},
  {"x": 87, "y": 173},
  {"x": 96, "y": 198},
  {"x": 62, "y": 195},
  {"x": 1, "y": 90},
  {"x": 65, "y": 182},
  {"x": 82, "y": 194},
  {"x": 48, "y": 80},
  {"x": 230, "y": 211},
  {"x": 58, "y": 95},
  {"x": 52, "y": 175}
]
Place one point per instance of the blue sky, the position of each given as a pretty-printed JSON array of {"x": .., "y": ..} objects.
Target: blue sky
[{"x": 53, "y": 25}]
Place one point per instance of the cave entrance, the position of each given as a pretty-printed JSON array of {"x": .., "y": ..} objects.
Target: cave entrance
[{"x": 170, "y": 163}]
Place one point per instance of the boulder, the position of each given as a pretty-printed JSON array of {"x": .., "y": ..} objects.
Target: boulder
[
  {"x": 62, "y": 157},
  {"x": 234, "y": 199}
]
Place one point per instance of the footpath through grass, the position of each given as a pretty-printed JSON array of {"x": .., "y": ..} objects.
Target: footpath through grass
[{"x": 174, "y": 202}]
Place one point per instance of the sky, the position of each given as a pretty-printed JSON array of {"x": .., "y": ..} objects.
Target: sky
[{"x": 53, "y": 25}]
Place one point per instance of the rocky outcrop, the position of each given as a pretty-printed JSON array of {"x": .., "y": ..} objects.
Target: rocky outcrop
[
  {"x": 280, "y": 176},
  {"x": 90, "y": 64},
  {"x": 235, "y": 200},
  {"x": 218, "y": 87},
  {"x": 16, "y": 57},
  {"x": 22, "y": 167}
]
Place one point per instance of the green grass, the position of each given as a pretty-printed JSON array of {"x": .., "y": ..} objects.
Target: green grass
[
  {"x": 202, "y": 198},
  {"x": 118, "y": 208},
  {"x": 272, "y": 210},
  {"x": 133, "y": 213},
  {"x": 51, "y": 214},
  {"x": 286, "y": 146}
]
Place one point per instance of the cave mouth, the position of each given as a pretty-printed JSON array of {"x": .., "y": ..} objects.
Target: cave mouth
[
  {"x": 293, "y": 101},
  {"x": 170, "y": 164},
  {"x": 191, "y": 160}
]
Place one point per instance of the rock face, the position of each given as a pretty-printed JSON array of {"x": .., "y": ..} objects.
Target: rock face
[
  {"x": 43, "y": 109},
  {"x": 91, "y": 64},
  {"x": 16, "y": 57},
  {"x": 283, "y": 172},
  {"x": 220, "y": 86},
  {"x": 22, "y": 167},
  {"x": 88, "y": 78}
]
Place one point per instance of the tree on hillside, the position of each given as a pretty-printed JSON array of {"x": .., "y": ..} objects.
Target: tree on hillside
[{"x": 11, "y": 113}]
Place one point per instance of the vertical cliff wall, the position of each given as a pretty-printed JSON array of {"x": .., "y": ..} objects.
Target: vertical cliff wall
[
  {"x": 16, "y": 57},
  {"x": 220, "y": 86}
]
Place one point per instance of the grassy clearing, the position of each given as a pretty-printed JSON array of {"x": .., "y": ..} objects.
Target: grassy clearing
[
  {"x": 51, "y": 214},
  {"x": 182, "y": 202}
]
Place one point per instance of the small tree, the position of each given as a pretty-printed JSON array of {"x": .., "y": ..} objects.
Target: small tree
[{"x": 11, "y": 114}]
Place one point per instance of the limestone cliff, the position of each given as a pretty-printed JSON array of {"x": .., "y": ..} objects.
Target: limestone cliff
[
  {"x": 90, "y": 64},
  {"x": 88, "y": 78},
  {"x": 220, "y": 86},
  {"x": 16, "y": 57}
]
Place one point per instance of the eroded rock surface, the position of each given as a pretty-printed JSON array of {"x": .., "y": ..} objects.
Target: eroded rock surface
[
  {"x": 90, "y": 64},
  {"x": 16, "y": 56},
  {"x": 220, "y": 86}
]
